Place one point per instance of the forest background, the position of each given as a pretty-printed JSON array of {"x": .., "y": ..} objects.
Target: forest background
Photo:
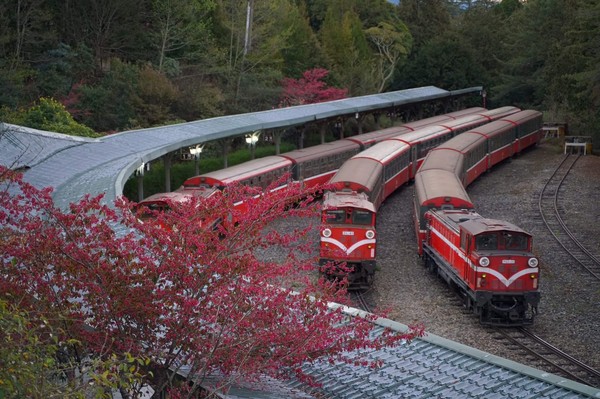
[{"x": 117, "y": 65}]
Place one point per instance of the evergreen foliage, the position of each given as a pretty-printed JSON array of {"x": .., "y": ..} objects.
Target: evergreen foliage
[{"x": 123, "y": 64}]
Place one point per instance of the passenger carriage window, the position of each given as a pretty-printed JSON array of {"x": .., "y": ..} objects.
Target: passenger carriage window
[{"x": 361, "y": 217}]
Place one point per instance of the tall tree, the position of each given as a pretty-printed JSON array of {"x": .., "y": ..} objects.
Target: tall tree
[
  {"x": 179, "y": 25},
  {"x": 110, "y": 28},
  {"x": 426, "y": 19},
  {"x": 445, "y": 62},
  {"x": 542, "y": 25},
  {"x": 344, "y": 41},
  {"x": 302, "y": 50},
  {"x": 393, "y": 45},
  {"x": 573, "y": 71},
  {"x": 253, "y": 74}
]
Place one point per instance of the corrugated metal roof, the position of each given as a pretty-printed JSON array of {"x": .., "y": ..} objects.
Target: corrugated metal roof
[
  {"x": 75, "y": 167},
  {"x": 23, "y": 147}
]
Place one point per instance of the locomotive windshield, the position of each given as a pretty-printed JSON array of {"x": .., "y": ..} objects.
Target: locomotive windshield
[
  {"x": 512, "y": 241},
  {"x": 348, "y": 216},
  {"x": 335, "y": 216},
  {"x": 361, "y": 217},
  {"x": 505, "y": 240}
]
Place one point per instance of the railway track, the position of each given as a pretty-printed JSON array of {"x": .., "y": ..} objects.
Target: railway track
[
  {"x": 549, "y": 211},
  {"x": 360, "y": 300},
  {"x": 549, "y": 357}
]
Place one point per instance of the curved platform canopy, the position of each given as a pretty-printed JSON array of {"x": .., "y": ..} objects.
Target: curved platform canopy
[{"x": 78, "y": 166}]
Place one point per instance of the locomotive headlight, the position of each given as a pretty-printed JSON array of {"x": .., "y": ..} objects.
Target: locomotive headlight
[
  {"x": 484, "y": 261},
  {"x": 326, "y": 233},
  {"x": 533, "y": 262},
  {"x": 370, "y": 234}
]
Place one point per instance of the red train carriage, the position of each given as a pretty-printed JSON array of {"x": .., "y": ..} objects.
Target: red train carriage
[
  {"x": 162, "y": 202},
  {"x": 436, "y": 189},
  {"x": 257, "y": 172},
  {"x": 489, "y": 261},
  {"x": 369, "y": 139},
  {"x": 422, "y": 141},
  {"x": 473, "y": 148},
  {"x": 316, "y": 165},
  {"x": 465, "y": 112},
  {"x": 366, "y": 140},
  {"x": 384, "y": 167},
  {"x": 528, "y": 125},
  {"x": 378, "y": 171},
  {"x": 500, "y": 113},
  {"x": 348, "y": 236}
]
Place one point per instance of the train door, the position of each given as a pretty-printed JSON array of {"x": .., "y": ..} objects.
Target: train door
[
  {"x": 470, "y": 273},
  {"x": 414, "y": 159}
]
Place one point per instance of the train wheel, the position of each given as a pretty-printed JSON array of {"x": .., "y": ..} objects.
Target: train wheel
[
  {"x": 468, "y": 303},
  {"x": 431, "y": 266}
]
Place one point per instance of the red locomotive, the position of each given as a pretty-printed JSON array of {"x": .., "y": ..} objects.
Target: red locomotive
[
  {"x": 372, "y": 176},
  {"x": 489, "y": 261}
]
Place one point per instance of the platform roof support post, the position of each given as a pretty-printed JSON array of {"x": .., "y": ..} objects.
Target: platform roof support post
[
  {"x": 167, "y": 158},
  {"x": 196, "y": 151},
  {"x": 277, "y": 140},
  {"x": 359, "y": 122},
  {"x": 225, "y": 151},
  {"x": 301, "y": 138},
  {"x": 139, "y": 173}
]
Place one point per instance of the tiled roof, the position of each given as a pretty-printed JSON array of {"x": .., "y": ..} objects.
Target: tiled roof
[{"x": 434, "y": 367}]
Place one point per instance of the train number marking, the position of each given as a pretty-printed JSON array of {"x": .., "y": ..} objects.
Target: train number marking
[
  {"x": 508, "y": 261},
  {"x": 347, "y": 233}
]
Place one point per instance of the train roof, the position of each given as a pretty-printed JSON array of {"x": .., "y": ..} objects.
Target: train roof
[
  {"x": 180, "y": 195},
  {"x": 523, "y": 116},
  {"x": 436, "y": 188},
  {"x": 347, "y": 198},
  {"x": 240, "y": 172},
  {"x": 463, "y": 121},
  {"x": 359, "y": 174},
  {"x": 443, "y": 158},
  {"x": 501, "y": 112},
  {"x": 464, "y": 141},
  {"x": 422, "y": 134},
  {"x": 466, "y": 111},
  {"x": 383, "y": 152},
  {"x": 320, "y": 150},
  {"x": 475, "y": 223},
  {"x": 378, "y": 135},
  {"x": 414, "y": 125}
]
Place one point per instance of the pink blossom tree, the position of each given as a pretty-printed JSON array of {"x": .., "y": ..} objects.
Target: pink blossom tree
[
  {"x": 187, "y": 295},
  {"x": 309, "y": 89}
]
